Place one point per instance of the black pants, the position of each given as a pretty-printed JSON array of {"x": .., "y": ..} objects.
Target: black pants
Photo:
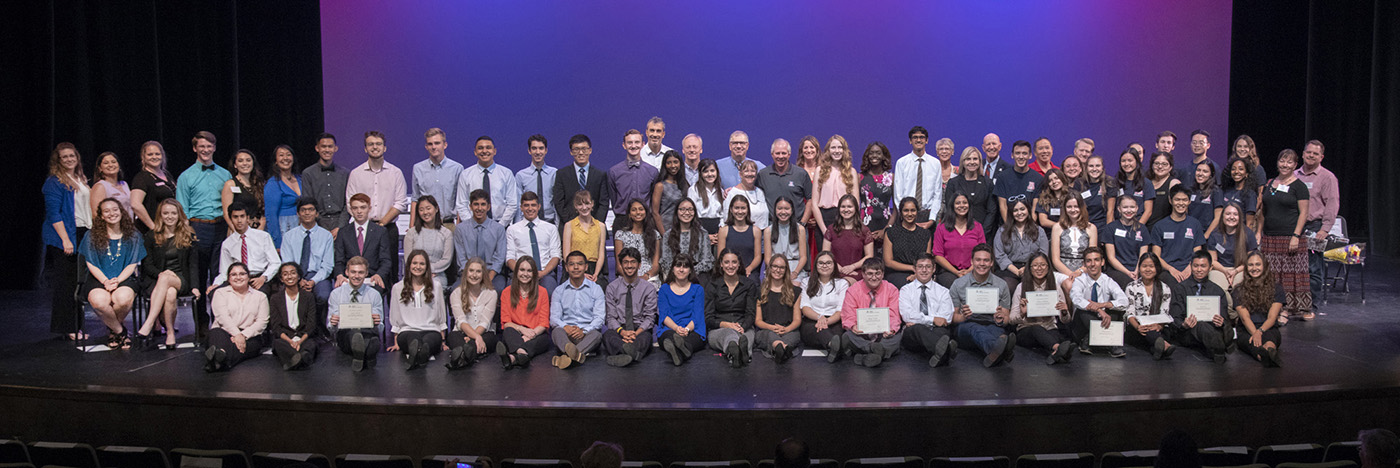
[
  {"x": 1204, "y": 335},
  {"x": 514, "y": 341},
  {"x": 62, "y": 275},
  {"x": 1011, "y": 279},
  {"x": 1145, "y": 341},
  {"x": 613, "y": 344},
  {"x": 457, "y": 339},
  {"x": 946, "y": 278},
  {"x": 1083, "y": 319},
  {"x": 811, "y": 338},
  {"x": 1270, "y": 335},
  {"x": 219, "y": 338},
  {"x": 284, "y": 351},
  {"x": 1118, "y": 277},
  {"x": 392, "y": 229},
  {"x": 431, "y": 339},
  {"x": 343, "y": 340},
  {"x": 208, "y": 239},
  {"x": 1036, "y": 335},
  {"x": 692, "y": 341},
  {"x": 924, "y": 338}
]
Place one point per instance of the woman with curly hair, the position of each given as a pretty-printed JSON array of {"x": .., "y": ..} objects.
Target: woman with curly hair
[
  {"x": 1258, "y": 300},
  {"x": 113, "y": 249}
]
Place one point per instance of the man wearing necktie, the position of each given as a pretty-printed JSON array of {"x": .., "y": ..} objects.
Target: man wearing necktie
[
  {"x": 576, "y": 313},
  {"x": 1097, "y": 300},
  {"x": 495, "y": 179},
  {"x": 311, "y": 247},
  {"x": 581, "y": 175},
  {"x": 364, "y": 238},
  {"x": 482, "y": 237},
  {"x": 1214, "y": 335},
  {"x": 539, "y": 177},
  {"x": 535, "y": 238},
  {"x": 918, "y": 176},
  {"x": 631, "y": 312},
  {"x": 927, "y": 310},
  {"x": 251, "y": 247}
]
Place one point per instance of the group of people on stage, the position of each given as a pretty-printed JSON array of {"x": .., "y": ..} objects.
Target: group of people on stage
[{"x": 730, "y": 254}]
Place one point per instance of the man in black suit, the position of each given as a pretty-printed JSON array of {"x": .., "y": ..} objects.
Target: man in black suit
[
  {"x": 364, "y": 239},
  {"x": 580, "y": 175}
]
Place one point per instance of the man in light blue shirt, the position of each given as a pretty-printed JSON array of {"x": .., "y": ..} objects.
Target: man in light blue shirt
[
  {"x": 311, "y": 247},
  {"x": 576, "y": 312},
  {"x": 199, "y": 190},
  {"x": 738, "y": 151},
  {"x": 479, "y": 236},
  {"x": 362, "y": 344},
  {"x": 497, "y": 180},
  {"x": 437, "y": 176},
  {"x": 538, "y": 177}
]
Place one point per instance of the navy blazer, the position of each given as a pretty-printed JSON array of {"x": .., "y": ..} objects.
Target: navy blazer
[
  {"x": 379, "y": 250},
  {"x": 566, "y": 184}
]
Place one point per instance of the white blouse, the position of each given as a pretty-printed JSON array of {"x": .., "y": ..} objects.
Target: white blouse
[
  {"x": 758, "y": 206},
  {"x": 481, "y": 311},
  {"x": 82, "y": 206},
  {"x": 417, "y": 315},
  {"x": 716, "y": 208},
  {"x": 829, "y": 297}
]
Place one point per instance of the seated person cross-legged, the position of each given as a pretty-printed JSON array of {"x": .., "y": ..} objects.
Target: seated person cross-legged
[
  {"x": 927, "y": 310},
  {"x": 822, "y": 297},
  {"x": 1051, "y": 333},
  {"x": 982, "y": 329},
  {"x": 1259, "y": 299},
  {"x": 360, "y": 340},
  {"x": 1150, "y": 297},
  {"x": 473, "y": 306},
  {"x": 1213, "y": 334},
  {"x": 576, "y": 313},
  {"x": 729, "y": 310},
  {"x": 292, "y": 320},
  {"x": 417, "y": 312},
  {"x": 524, "y": 316},
  {"x": 778, "y": 312},
  {"x": 871, "y": 292},
  {"x": 167, "y": 272},
  {"x": 631, "y": 312},
  {"x": 1097, "y": 298},
  {"x": 681, "y": 307},
  {"x": 240, "y": 318}
]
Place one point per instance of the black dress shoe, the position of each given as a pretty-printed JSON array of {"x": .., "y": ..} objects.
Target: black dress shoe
[
  {"x": 669, "y": 346},
  {"x": 295, "y": 362},
  {"x": 504, "y": 354},
  {"x": 731, "y": 354},
  {"x": 411, "y": 354},
  {"x": 1066, "y": 351},
  {"x": 994, "y": 358},
  {"x": 833, "y": 349},
  {"x": 618, "y": 360},
  {"x": 1010, "y": 348},
  {"x": 745, "y": 349},
  {"x": 682, "y": 346},
  {"x": 940, "y": 351}
]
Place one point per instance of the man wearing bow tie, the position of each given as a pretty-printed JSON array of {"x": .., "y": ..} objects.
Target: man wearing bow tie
[{"x": 199, "y": 190}]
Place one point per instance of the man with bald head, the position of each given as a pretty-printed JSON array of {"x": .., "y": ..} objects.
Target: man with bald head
[
  {"x": 692, "y": 147},
  {"x": 991, "y": 150},
  {"x": 738, "y": 153},
  {"x": 783, "y": 179}
]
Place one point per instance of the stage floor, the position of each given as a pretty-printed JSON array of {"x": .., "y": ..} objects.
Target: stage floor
[{"x": 1349, "y": 346}]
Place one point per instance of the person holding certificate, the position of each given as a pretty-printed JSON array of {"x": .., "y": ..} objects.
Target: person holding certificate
[
  {"x": 870, "y": 314},
  {"x": 1152, "y": 307},
  {"x": 356, "y": 310},
  {"x": 778, "y": 312},
  {"x": 1259, "y": 300},
  {"x": 1096, "y": 299},
  {"x": 417, "y": 312},
  {"x": 1038, "y": 308},
  {"x": 1204, "y": 321},
  {"x": 982, "y": 304},
  {"x": 927, "y": 311},
  {"x": 240, "y": 318},
  {"x": 729, "y": 310},
  {"x": 821, "y": 306}
]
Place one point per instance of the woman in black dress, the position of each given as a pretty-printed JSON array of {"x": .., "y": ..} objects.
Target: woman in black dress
[
  {"x": 152, "y": 185},
  {"x": 904, "y": 242},
  {"x": 167, "y": 272}
]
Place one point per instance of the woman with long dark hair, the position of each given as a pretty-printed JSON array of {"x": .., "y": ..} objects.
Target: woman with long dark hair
[
  {"x": 1228, "y": 246},
  {"x": 954, "y": 239},
  {"x": 281, "y": 192},
  {"x": 524, "y": 317},
  {"x": 786, "y": 238},
  {"x": 1131, "y": 182},
  {"x": 1160, "y": 181},
  {"x": 822, "y": 297},
  {"x": 1150, "y": 296},
  {"x": 1050, "y": 204},
  {"x": 743, "y": 238},
  {"x": 1206, "y": 199},
  {"x": 1240, "y": 188},
  {"x": 1259, "y": 300},
  {"x": 850, "y": 241},
  {"x": 417, "y": 312},
  {"x": 245, "y": 187},
  {"x": 1044, "y": 332},
  {"x": 730, "y": 303},
  {"x": 668, "y": 190},
  {"x": 108, "y": 183},
  {"x": 687, "y": 236},
  {"x": 778, "y": 312},
  {"x": 429, "y": 235},
  {"x": 904, "y": 242},
  {"x": 1099, "y": 193},
  {"x": 708, "y": 195},
  {"x": 681, "y": 305},
  {"x": 1018, "y": 241},
  {"x": 638, "y": 231}
]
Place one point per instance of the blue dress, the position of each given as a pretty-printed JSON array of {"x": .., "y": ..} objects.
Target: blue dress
[{"x": 682, "y": 309}]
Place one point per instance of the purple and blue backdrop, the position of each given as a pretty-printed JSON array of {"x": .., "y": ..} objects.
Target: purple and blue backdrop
[{"x": 1113, "y": 71}]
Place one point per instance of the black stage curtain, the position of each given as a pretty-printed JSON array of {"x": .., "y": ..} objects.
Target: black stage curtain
[
  {"x": 1325, "y": 70},
  {"x": 108, "y": 76}
]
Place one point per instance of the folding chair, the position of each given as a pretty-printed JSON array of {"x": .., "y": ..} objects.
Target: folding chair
[
  {"x": 1338, "y": 451},
  {"x": 1293, "y": 453},
  {"x": 194, "y": 458},
  {"x": 120, "y": 456},
  {"x": 1226, "y": 456},
  {"x": 453, "y": 461},
  {"x": 535, "y": 463},
  {"x": 63, "y": 454},
  {"x": 1128, "y": 459},
  {"x": 13, "y": 451},
  {"x": 816, "y": 463}
]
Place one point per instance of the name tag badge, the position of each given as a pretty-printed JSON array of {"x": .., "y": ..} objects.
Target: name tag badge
[
  {"x": 1220, "y": 248},
  {"x": 160, "y": 183},
  {"x": 1308, "y": 184},
  {"x": 1054, "y": 212},
  {"x": 1193, "y": 198},
  {"x": 1121, "y": 233},
  {"x": 1168, "y": 235},
  {"x": 1087, "y": 194},
  {"x": 235, "y": 189},
  {"x": 1283, "y": 188}
]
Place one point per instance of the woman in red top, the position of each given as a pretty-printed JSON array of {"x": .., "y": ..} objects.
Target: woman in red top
[
  {"x": 953, "y": 240},
  {"x": 848, "y": 240},
  {"x": 524, "y": 317}
]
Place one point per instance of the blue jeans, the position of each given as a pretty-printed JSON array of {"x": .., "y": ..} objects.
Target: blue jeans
[{"x": 982, "y": 336}]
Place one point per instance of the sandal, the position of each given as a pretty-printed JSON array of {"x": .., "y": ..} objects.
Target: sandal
[
  {"x": 1307, "y": 316},
  {"x": 78, "y": 336},
  {"x": 114, "y": 341}
]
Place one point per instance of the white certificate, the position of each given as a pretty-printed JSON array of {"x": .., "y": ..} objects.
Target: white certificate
[
  {"x": 1111, "y": 336},
  {"x": 873, "y": 320},
  {"x": 356, "y": 315},
  {"x": 1204, "y": 308},
  {"x": 1042, "y": 303},
  {"x": 982, "y": 300},
  {"x": 1154, "y": 319}
]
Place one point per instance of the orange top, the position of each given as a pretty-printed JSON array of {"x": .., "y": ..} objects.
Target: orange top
[{"x": 521, "y": 314}]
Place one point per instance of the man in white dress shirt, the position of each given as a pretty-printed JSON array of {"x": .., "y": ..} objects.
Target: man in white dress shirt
[
  {"x": 497, "y": 180},
  {"x": 919, "y": 175},
  {"x": 536, "y": 238},
  {"x": 250, "y": 247},
  {"x": 927, "y": 310},
  {"x": 1097, "y": 300},
  {"x": 538, "y": 177},
  {"x": 654, "y": 149}
]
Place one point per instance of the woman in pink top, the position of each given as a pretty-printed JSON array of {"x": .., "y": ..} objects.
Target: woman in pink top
[
  {"x": 240, "y": 317},
  {"x": 108, "y": 183},
  {"x": 953, "y": 240},
  {"x": 835, "y": 179}
]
